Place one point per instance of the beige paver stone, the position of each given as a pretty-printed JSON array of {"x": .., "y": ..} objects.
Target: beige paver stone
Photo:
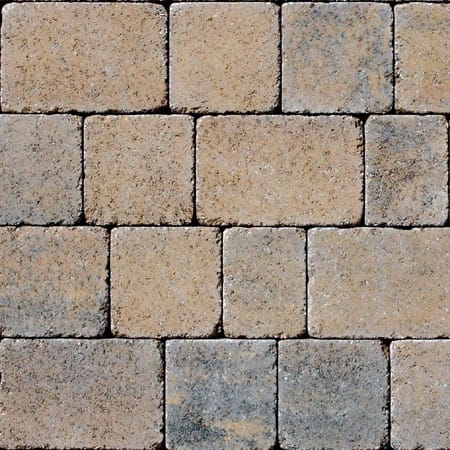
[
  {"x": 40, "y": 169},
  {"x": 422, "y": 55},
  {"x": 70, "y": 393},
  {"x": 406, "y": 170},
  {"x": 53, "y": 281},
  {"x": 332, "y": 394},
  {"x": 139, "y": 169},
  {"x": 369, "y": 282},
  {"x": 264, "y": 281},
  {"x": 420, "y": 394},
  {"x": 83, "y": 57},
  {"x": 165, "y": 281},
  {"x": 224, "y": 57},
  {"x": 279, "y": 170}
]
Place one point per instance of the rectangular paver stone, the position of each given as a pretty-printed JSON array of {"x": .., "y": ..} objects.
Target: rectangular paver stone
[
  {"x": 40, "y": 169},
  {"x": 83, "y": 57},
  {"x": 220, "y": 394},
  {"x": 406, "y": 170},
  {"x": 224, "y": 57},
  {"x": 332, "y": 394},
  {"x": 264, "y": 277},
  {"x": 53, "y": 281},
  {"x": 379, "y": 282},
  {"x": 420, "y": 395},
  {"x": 279, "y": 170},
  {"x": 139, "y": 169},
  {"x": 165, "y": 281},
  {"x": 70, "y": 393},
  {"x": 337, "y": 57}
]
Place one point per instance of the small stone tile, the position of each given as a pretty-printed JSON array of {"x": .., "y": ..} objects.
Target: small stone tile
[
  {"x": 40, "y": 169},
  {"x": 337, "y": 57},
  {"x": 53, "y": 281},
  {"x": 165, "y": 281},
  {"x": 420, "y": 394},
  {"x": 379, "y": 282},
  {"x": 70, "y": 393},
  {"x": 224, "y": 57},
  {"x": 83, "y": 57},
  {"x": 264, "y": 290},
  {"x": 332, "y": 394},
  {"x": 422, "y": 55},
  {"x": 406, "y": 170},
  {"x": 220, "y": 394},
  {"x": 279, "y": 170},
  {"x": 139, "y": 169}
]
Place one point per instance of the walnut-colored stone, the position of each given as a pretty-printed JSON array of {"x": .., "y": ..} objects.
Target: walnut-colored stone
[
  {"x": 70, "y": 393},
  {"x": 224, "y": 57},
  {"x": 422, "y": 50},
  {"x": 279, "y": 170},
  {"x": 165, "y": 281},
  {"x": 83, "y": 57},
  {"x": 379, "y": 282},
  {"x": 139, "y": 169},
  {"x": 264, "y": 280},
  {"x": 53, "y": 281},
  {"x": 337, "y": 57},
  {"x": 40, "y": 169}
]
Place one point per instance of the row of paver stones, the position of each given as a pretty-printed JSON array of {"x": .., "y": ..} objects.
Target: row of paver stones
[
  {"x": 245, "y": 170},
  {"x": 225, "y": 57},
  {"x": 224, "y": 394},
  {"x": 167, "y": 282}
]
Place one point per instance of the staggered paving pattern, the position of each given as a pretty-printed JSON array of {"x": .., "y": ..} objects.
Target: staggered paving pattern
[{"x": 225, "y": 225}]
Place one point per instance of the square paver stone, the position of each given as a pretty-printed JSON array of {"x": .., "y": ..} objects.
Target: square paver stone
[
  {"x": 139, "y": 169},
  {"x": 332, "y": 394},
  {"x": 69, "y": 393},
  {"x": 224, "y": 57},
  {"x": 220, "y": 394},
  {"x": 40, "y": 169}
]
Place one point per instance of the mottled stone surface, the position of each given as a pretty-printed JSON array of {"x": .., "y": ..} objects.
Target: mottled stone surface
[
  {"x": 53, "y": 281},
  {"x": 165, "y": 281},
  {"x": 406, "y": 170},
  {"x": 369, "y": 282},
  {"x": 220, "y": 394},
  {"x": 224, "y": 57},
  {"x": 264, "y": 285},
  {"x": 332, "y": 394},
  {"x": 40, "y": 169},
  {"x": 422, "y": 55},
  {"x": 337, "y": 57},
  {"x": 70, "y": 393},
  {"x": 83, "y": 57},
  {"x": 279, "y": 170},
  {"x": 139, "y": 169},
  {"x": 420, "y": 394}
]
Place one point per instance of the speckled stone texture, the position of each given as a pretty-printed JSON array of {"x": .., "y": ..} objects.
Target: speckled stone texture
[
  {"x": 224, "y": 57},
  {"x": 264, "y": 278},
  {"x": 420, "y": 405},
  {"x": 165, "y": 281},
  {"x": 83, "y": 57},
  {"x": 70, "y": 393},
  {"x": 422, "y": 55},
  {"x": 337, "y": 57},
  {"x": 53, "y": 281},
  {"x": 369, "y": 282},
  {"x": 332, "y": 394},
  {"x": 139, "y": 169},
  {"x": 220, "y": 394},
  {"x": 279, "y": 170},
  {"x": 40, "y": 169},
  {"x": 406, "y": 170}
]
